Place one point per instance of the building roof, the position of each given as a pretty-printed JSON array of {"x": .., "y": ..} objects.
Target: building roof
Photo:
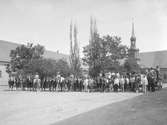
[
  {"x": 6, "y": 47},
  {"x": 152, "y": 59},
  {"x": 147, "y": 59}
]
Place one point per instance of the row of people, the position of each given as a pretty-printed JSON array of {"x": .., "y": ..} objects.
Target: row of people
[{"x": 112, "y": 82}]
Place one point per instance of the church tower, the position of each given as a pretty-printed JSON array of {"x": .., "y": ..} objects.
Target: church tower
[
  {"x": 133, "y": 38},
  {"x": 133, "y": 51}
]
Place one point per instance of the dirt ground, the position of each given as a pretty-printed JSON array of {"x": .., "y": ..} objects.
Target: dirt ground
[
  {"x": 43, "y": 108},
  {"x": 149, "y": 109}
]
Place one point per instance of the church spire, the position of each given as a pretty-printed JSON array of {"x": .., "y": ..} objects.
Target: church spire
[
  {"x": 133, "y": 38},
  {"x": 133, "y": 52},
  {"x": 133, "y": 32}
]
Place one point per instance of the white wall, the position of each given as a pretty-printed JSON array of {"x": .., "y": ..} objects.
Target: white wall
[{"x": 4, "y": 75}]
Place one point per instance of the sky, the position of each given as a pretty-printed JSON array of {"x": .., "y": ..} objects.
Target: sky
[{"x": 47, "y": 22}]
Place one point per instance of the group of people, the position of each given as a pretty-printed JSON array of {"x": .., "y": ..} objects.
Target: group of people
[{"x": 116, "y": 82}]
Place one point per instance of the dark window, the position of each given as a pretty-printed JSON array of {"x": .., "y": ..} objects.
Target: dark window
[
  {"x": 0, "y": 73},
  {"x": 165, "y": 76}
]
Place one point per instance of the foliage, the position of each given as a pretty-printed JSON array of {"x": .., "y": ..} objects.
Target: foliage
[
  {"x": 131, "y": 65},
  {"x": 49, "y": 67},
  {"x": 75, "y": 63},
  {"x": 104, "y": 54},
  {"x": 92, "y": 53},
  {"x": 62, "y": 67},
  {"x": 22, "y": 56},
  {"x": 28, "y": 60},
  {"x": 114, "y": 51}
]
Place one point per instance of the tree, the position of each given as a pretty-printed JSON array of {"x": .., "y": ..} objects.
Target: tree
[
  {"x": 113, "y": 52},
  {"x": 48, "y": 67},
  {"x": 44, "y": 67},
  {"x": 22, "y": 56},
  {"x": 62, "y": 67},
  {"x": 75, "y": 63},
  {"x": 104, "y": 54},
  {"x": 92, "y": 51},
  {"x": 28, "y": 60},
  {"x": 92, "y": 56},
  {"x": 131, "y": 66}
]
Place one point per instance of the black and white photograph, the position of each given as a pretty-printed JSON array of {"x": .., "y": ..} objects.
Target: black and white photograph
[{"x": 83, "y": 62}]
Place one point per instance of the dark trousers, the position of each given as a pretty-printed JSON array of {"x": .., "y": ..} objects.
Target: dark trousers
[
  {"x": 152, "y": 87},
  {"x": 116, "y": 88}
]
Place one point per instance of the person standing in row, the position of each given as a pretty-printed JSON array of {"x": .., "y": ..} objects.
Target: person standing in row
[
  {"x": 122, "y": 83},
  {"x": 144, "y": 83},
  {"x": 116, "y": 84}
]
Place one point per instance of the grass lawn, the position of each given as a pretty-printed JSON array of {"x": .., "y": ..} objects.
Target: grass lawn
[{"x": 149, "y": 109}]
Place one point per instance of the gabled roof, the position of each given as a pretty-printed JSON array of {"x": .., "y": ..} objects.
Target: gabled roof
[
  {"x": 147, "y": 59},
  {"x": 152, "y": 59},
  {"x": 6, "y": 47}
]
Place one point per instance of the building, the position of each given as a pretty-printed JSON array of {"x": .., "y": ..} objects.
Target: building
[
  {"x": 148, "y": 59},
  {"x": 6, "y": 47},
  {"x": 153, "y": 59},
  {"x": 133, "y": 52}
]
